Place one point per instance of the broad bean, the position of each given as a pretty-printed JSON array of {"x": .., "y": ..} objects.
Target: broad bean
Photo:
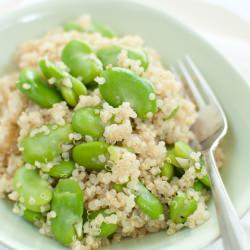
[
  {"x": 171, "y": 157},
  {"x": 148, "y": 203},
  {"x": 103, "y": 29},
  {"x": 35, "y": 88},
  {"x": 181, "y": 207},
  {"x": 45, "y": 147},
  {"x": 81, "y": 60},
  {"x": 122, "y": 85},
  {"x": 69, "y": 26},
  {"x": 167, "y": 170},
  {"x": 182, "y": 150},
  {"x": 198, "y": 186},
  {"x": 69, "y": 93},
  {"x": 35, "y": 218},
  {"x": 62, "y": 169},
  {"x": 106, "y": 229},
  {"x": 109, "y": 55},
  {"x": 179, "y": 156},
  {"x": 118, "y": 187},
  {"x": 33, "y": 192},
  {"x": 205, "y": 179},
  {"x": 68, "y": 204},
  {"x": 87, "y": 121},
  {"x": 91, "y": 155}
]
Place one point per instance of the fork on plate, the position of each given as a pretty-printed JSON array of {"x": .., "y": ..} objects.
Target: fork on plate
[{"x": 211, "y": 126}]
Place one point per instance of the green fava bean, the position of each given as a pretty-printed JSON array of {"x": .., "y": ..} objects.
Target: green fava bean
[
  {"x": 181, "y": 207},
  {"x": 103, "y": 29},
  {"x": 109, "y": 55},
  {"x": 87, "y": 121},
  {"x": 206, "y": 181},
  {"x": 91, "y": 155},
  {"x": 51, "y": 70},
  {"x": 68, "y": 204},
  {"x": 70, "y": 94},
  {"x": 181, "y": 155},
  {"x": 138, "y": 54},
  {"x": 33, "y": 86},
  {"x": 148, "y": 202},
  {"x": 69, "y": 26},
  {"x": 180, "y": 163},
  {"x": 33, "y": 191},
  {"x": 171, "y": 157},
  {"x": 33, "y": 217},
  {"x": 115, "y": 152},
  {"x": 45, "y": 147},
  {"x": 167, "y": 170},
  {"x": 62, "y": 169},
  {"x": 118, "y": 187},
  {"x": 106, "y": 229},
  {"x": 122, "y": 85},
  {"x": 198, "y": 186},
  {"x": 81, "y": 60},
  {"x": 182, "y": 150}
]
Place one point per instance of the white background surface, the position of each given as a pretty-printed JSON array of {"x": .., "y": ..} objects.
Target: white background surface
[{"x": 224, "y": 23}]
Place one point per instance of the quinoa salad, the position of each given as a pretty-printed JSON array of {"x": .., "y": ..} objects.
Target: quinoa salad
[{"x": 95, "y": 139}]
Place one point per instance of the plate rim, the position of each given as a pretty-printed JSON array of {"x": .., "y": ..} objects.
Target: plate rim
[{"x": 19, "y": 11}]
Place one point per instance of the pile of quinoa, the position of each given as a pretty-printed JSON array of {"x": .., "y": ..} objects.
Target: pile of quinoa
[{"x": 20, "y": 117}]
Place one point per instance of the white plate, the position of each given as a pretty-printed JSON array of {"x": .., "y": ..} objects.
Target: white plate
[{"x": 172, "y": 40}]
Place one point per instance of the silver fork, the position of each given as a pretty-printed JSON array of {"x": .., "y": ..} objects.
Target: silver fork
[{"x": 212, "y": 114}]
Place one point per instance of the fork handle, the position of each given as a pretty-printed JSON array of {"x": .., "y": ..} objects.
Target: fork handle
[{"x": 232, "y": 232}]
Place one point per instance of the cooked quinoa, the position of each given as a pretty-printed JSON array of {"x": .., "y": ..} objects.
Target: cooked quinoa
[{"x": 146, "y": 139}]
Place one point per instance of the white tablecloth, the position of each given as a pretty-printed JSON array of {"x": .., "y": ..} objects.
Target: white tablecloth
[{"x": 224, "y": 23}]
